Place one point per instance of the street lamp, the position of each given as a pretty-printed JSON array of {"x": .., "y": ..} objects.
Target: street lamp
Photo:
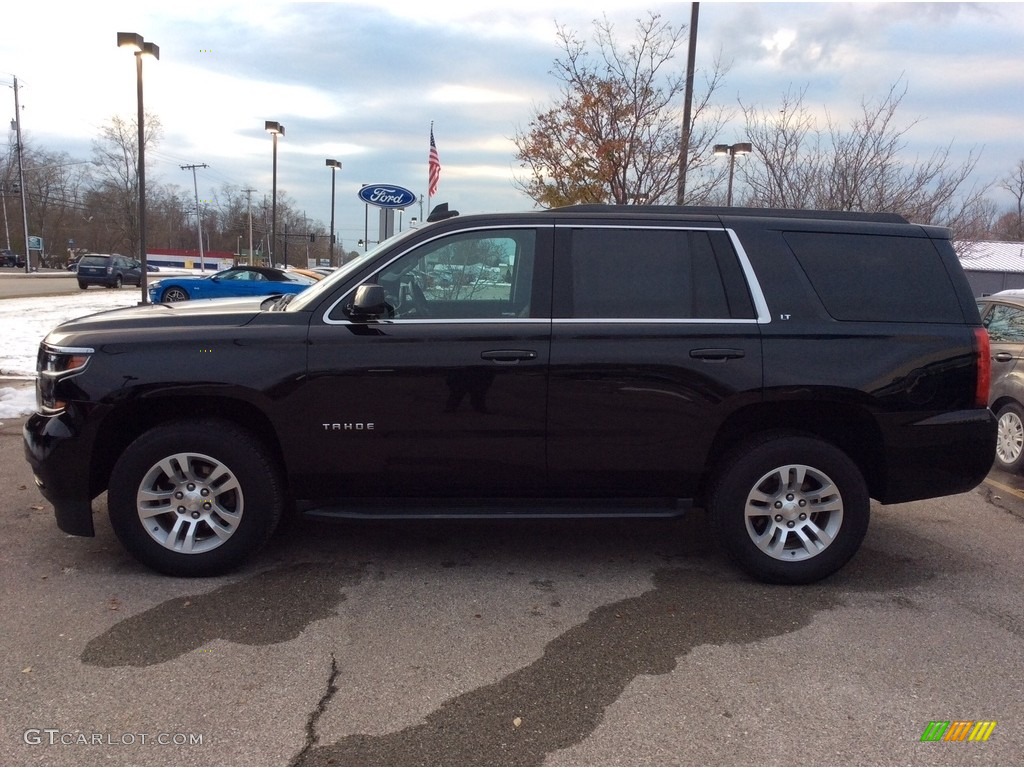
[
  {"x": 141, "y": 48},
  {"x": 743, "y": 148},
  {"x": 274, "y": 129},
  {"x": 335, "y": 166}
]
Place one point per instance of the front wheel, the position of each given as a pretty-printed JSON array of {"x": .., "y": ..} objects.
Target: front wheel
[
  {"x": 790, "y": 509},
  {"x": 195, "y": 498},
  {"x": 174, "y": 293}
]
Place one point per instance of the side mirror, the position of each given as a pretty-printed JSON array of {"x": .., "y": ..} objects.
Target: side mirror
[{"x": 370, "y": 301}]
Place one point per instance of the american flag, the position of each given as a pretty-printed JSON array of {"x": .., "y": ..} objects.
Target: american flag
[{"x": 434, "y": 175}]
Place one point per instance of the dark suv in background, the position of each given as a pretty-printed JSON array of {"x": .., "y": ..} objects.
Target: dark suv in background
[
  {"x": 108, "y": 270},
  {"x": 9, "y": 258},
  {"x": 777, "y": 368}
]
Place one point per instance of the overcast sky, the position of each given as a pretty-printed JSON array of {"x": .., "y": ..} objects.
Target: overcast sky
[{"x": 361, "y": 83}]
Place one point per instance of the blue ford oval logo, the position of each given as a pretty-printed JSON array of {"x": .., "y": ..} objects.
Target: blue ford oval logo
[{"x": 387, "y": 196}]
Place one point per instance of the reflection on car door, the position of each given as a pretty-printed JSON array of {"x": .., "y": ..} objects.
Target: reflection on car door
[
  {"x": 654, "y": 334},
  {"x": 448, "y": 395}
]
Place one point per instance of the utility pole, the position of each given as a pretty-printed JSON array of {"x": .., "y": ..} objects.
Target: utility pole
[
  {"x": 248, "y": 194},
  {"x": 684, "y": 141},
  {"x": 21, "y": 176},
  {"x": 199, "y": 217}
]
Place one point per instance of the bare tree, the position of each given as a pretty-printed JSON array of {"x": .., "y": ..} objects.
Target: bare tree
[
  {"x": 859, "y": 167},
  {"x": 115, "y": 162},
  {"x": 1011, "y": 224},
  {"x": 613, "y": 135}
]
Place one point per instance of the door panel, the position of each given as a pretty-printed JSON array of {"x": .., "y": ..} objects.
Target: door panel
[
  {"x": 447, "y": 395},
  {"x": 654, "y": 342}
]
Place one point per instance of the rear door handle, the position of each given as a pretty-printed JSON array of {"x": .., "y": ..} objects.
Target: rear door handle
[
  {"x": 716, "y": 353},
  {"x": 509, "y": 355},
  {"x": 1003, "y": 357}
]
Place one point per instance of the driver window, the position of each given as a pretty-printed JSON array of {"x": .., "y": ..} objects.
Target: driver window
[{"x": 471, "y": 275}]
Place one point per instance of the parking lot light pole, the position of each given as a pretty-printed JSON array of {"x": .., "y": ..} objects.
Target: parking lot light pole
[
  {"x": 743, "y": 148},
  {"x": 142, "y": 48},
  {"x": 274, "y": 129},
  {"x": 335, "y": 166}
]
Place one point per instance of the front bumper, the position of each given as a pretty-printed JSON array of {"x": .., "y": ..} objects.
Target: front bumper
[{"x": 59, "y": 456}]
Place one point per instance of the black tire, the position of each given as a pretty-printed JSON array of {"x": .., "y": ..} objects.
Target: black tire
[
  {"x": 82, "y": 285},
  {"x": 224, "y": 480},
  {"x": 789, "y": 509},
  {"x": 174, "y": 293},
  {"x": 1010, "y": 440}
]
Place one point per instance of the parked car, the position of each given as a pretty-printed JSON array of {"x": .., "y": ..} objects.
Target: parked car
[
  {"x": 776, "y": 368},
  {"x": 235, "y": 281},
  {"x": 1003, "y": 315},
  {"x": 9, "y": 258},
  {"x": 111, "y": 270},
  {"x": 313, "y": 274}
]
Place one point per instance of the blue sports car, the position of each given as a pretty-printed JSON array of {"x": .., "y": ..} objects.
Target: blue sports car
[{"x": 233, "y": 282}]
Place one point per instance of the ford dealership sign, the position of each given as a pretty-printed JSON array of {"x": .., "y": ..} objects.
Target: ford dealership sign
[{"x": 387, "y": 196}]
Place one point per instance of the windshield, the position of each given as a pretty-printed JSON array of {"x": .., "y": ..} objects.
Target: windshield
[{"x": 310, "y": 296}]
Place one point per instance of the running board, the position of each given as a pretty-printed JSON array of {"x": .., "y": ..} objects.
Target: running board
[{"x": 396, "y": 509}]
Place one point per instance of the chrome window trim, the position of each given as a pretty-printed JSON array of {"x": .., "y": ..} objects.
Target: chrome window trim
[
  {"x": 763, "y": 315},
  {"x": 328, "y": 320}
]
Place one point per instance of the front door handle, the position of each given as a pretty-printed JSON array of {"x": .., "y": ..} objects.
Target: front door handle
[
  {"x": 509, "y": 355},
  {"x": 1003, "y": 357},
  {"x": 714, "y": 354}
]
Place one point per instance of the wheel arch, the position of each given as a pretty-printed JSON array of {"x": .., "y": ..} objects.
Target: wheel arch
[
  {"x": 130, "y": 420},
  {"x": 1004, "y": 400},
  {"x": 849, "y": 427}
]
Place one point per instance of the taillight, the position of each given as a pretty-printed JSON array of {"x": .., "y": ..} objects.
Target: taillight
[{"x": 984, "y": 352}]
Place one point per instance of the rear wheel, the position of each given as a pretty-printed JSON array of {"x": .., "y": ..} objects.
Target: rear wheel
[
  {"x": 82, "y": 285},
  {"x": 1010, "y": 440},
  {"x": 195, "y": 498},
  {"x": 790, "y": 509}
]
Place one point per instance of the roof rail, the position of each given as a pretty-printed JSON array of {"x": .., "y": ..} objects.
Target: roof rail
[{"x": 712, "y": 210}]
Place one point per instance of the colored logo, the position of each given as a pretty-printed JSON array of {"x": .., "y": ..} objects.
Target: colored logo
[
  {"x": 387, "y": 196},
  {"x": 958, "y": 730}
]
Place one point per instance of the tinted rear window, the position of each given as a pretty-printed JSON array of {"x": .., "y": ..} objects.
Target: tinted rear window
[
  {"x": 94, "y": 261},
  {"x": 638, "y": 273},
  {"x": 877, "y": 277}
]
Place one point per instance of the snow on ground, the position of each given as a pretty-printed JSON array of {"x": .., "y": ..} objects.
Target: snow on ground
[{"x": 24, "y": 323}]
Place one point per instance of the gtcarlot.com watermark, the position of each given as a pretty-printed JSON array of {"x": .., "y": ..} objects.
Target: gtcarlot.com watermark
[{"x": 52, "y": 737}]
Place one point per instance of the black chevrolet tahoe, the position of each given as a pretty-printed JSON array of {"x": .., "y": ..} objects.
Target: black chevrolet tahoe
[{"x": 778, "y": 369}]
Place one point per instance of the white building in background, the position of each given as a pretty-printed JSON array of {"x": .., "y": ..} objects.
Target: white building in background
[{"x": 992, "y": 265}]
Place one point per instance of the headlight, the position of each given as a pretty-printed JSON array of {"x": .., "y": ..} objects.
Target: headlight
[{"x": 55, "y": 364}]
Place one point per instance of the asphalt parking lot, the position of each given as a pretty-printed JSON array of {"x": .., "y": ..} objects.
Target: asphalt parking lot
[{"x": 512, "y": 643}]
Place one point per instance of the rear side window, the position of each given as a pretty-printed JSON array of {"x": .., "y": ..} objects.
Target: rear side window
[
  {"x": 637, "y": 273},
  {"x": 877, "y": 277}
]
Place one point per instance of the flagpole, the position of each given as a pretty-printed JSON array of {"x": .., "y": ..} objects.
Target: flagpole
[{"x": 433, "y": 169}]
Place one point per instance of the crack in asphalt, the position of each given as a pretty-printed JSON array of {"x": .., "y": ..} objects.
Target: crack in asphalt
[
  {"x": 560, "y": 699},
  {"x": 321, "y": 707}
]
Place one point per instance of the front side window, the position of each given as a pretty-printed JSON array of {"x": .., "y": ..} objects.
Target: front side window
[{"x": 469, "y": 275}]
